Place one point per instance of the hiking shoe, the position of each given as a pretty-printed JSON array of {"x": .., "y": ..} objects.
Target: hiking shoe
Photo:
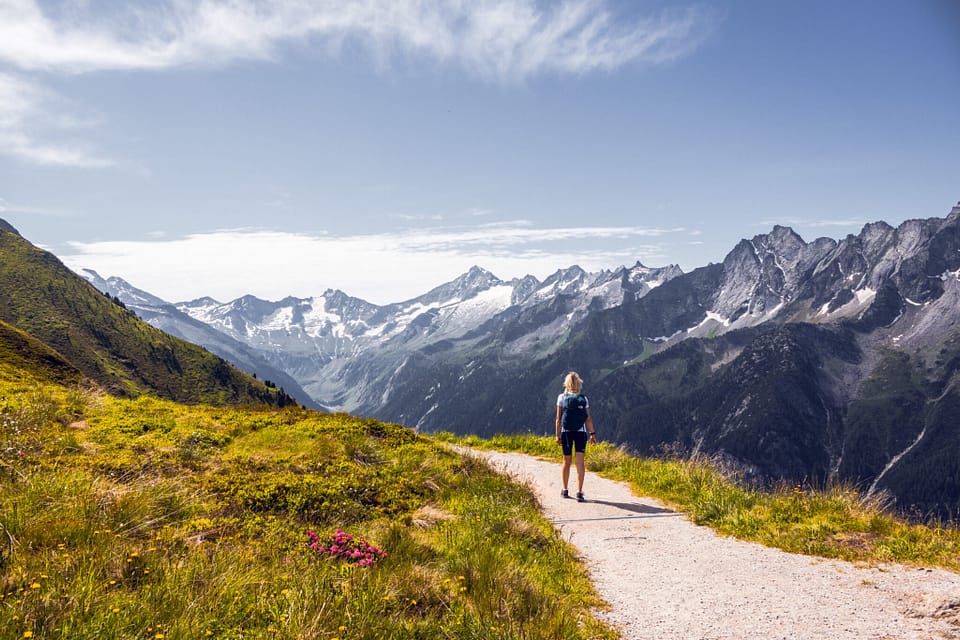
[
  {"x": 564, "y": 494},
  {"x": 580, "y": 497}
]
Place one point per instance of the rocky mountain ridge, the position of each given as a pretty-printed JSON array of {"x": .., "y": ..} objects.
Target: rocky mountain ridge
[
  {"x": 789, "y": 357},
  {"x": 319, "y": 340}
]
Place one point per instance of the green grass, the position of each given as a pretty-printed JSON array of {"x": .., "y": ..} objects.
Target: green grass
[
  {"x": 836, "y": 522},
  {"x": 148, "y": 519}
]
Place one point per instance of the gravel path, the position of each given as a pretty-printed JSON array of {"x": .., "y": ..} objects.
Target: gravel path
[{"x": 665, "y": 577}]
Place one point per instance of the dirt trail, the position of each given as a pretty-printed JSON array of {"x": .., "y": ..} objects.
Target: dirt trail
[{"x": 665, "y": 577}]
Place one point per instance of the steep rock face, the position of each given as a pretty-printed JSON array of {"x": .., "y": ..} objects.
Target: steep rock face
[
  {"x": 909, "y": 260},
  {"x": 764, "y": 274}
]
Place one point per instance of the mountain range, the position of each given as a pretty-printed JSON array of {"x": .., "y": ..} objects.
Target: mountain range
[
  {"x": 823, "y": 361},
  {"x": 54, "y": 326}
]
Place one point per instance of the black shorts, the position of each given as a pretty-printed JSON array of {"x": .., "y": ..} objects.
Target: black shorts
[{"x": 573, "y": 441}]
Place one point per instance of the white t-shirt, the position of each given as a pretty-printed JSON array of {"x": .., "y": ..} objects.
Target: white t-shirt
[{"x": 560, "y": 404}]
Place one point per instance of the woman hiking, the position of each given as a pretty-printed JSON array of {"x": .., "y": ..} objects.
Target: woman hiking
[{"x": 574, "y": 428}]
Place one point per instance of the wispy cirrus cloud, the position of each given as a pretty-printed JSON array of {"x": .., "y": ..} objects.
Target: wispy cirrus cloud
[
  {"x": 382, "y": 268},
  {"x": 34, "y": 123},
  {"x": 498, "y": 39}
]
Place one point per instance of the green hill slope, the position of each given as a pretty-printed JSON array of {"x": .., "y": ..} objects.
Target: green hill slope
[
  {"x": 23, "y": 355},
  {"x": 106, "y": 342}
]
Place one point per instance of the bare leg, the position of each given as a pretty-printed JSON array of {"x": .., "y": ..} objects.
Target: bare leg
[
  {"x": 581, "y": 471},
  {"x": 565, "y": 470}
]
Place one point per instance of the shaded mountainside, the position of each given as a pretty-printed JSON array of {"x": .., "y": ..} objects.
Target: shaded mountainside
[
  {"x": 23, "y": 354},
  {"x": 105, "y": 341}
]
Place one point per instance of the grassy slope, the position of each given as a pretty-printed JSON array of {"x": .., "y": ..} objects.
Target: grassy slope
[
  {"x": 20, "y": 353},
  {"x": 147, "y": 519},
  {"x": 109, "y": 344},
  {"x": 836, "y": 522}
]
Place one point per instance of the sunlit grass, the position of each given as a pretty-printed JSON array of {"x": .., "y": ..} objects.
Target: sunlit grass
[
  {"x": 835, "y": 522},
  {"x": 148, "y": 519}
]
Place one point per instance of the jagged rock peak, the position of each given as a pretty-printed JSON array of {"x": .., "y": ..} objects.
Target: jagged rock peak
[
  {"x": 475, "y": 280},
  {"x": 6, "y": 226},
  {"x": 338, "y": 296},
  {"x": 472, "y": 282},
  {"x": 523, "y": 288},
  {"x": 780, "y": 240},
  {"x": 479, "y": 274},
  {"x": 205, "y": 301},
  {"x": 954, "y": 213},
  {"x": 565, "y": 276}
]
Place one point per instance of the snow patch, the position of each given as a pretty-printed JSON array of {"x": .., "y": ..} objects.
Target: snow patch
[
  {"x": 864, "y": 295},
  {"x": 279, "y": 320},
  {"x": 665, "y": 338},
  {"x": 712, "y": 316}
]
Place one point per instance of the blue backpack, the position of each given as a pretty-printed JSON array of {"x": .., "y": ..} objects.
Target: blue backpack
[{"x": 574, "y": 412}]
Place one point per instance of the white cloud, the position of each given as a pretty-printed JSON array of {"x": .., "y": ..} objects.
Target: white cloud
[
  {"x": 381, "y": 268},
  {"x": 30, "y": 115},
  {"x": 501, "y": 39}
]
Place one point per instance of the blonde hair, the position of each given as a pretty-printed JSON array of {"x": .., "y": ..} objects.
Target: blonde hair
[{"x": 572, "y": 383}]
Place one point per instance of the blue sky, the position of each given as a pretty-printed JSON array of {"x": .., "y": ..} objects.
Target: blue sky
[{"x": 384, "y": 146}]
